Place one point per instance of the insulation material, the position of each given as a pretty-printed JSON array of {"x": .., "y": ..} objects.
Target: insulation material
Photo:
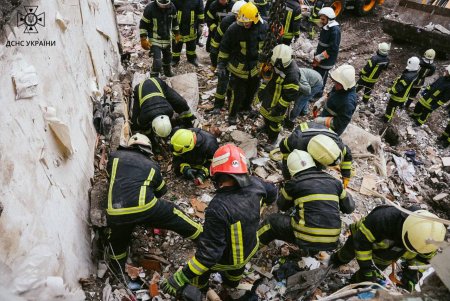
[
  {"x": 60, "y": 129},
  {"x": 25, "y": 79}
]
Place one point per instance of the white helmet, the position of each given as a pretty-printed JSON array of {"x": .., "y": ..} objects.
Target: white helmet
[
  {"x": 298, "y": 161},
  {"x": 383, "y": 48},
  {"x": 161, "y": 126},
  {"x": 237, "y": 6},
  {"x": 430, "y": 54},
  {"x": 328, "y": 12},
  {"x": 281, "y": 56},
  {"x": 345, "y": 75},
  {"x": 413, "y": 64},
  {"x": 141, "y": 141}
]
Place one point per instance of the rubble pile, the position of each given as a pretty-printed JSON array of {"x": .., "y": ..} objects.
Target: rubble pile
[{"x": 400, "y": 162}]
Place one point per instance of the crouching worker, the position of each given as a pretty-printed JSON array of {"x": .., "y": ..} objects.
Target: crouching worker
[
  {"x": 317, "y": 198},
  {"x": 135, "y": 186},
  {"x": 193, "y": 150},
  {"x": 153, "y": 107},
  {"x": 229, "y": 239},
  {"x": 385, "y": 235}
]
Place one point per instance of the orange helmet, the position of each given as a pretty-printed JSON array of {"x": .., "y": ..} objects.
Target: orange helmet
[{"x": 229, "y": 159}]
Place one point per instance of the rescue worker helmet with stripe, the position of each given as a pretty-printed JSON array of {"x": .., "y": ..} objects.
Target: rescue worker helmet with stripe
[
  {"x": 248, "y": 13},
  {"x": 422, "y": 235},
  {"x": 183, "y": 141},
  {"x": 161, "y": 126},
  {"x": 163, "y": 3},
  {"x": 298, "y": 161},
  {"x": 383, "y": 48},
  {"x": 141, "y": 141},
  {"x": 237, "y": 6},
  {"x": 430, "y": 54},
  {"x": 328, "y": 12},
  {"x": 229, "y": 159},
  {"x": 413, "y": 64},
  {"x": 281, "y": 56},
  {"x": 324, "y": 150},
  {"x": 345, "y": 75}
]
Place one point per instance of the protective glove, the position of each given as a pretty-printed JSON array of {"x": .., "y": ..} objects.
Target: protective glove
[
  {"x": 364, "y": 275},
  {"x": 177, "y": 37},
  {"x": 145, "y": 43},
  {"x": 319, "y": 103},
  {"x": 200, "y": 178},
  {"x": 174, "y": 285},
  {"x": 189, "y": 173},
  {"x": 409, "y": 278},
  {"x": 319, "y": 57},
  {"x": 324, "y": 120},
  {"x": 315, "y": 62},
  {"x": 345, "y": 182},
  {"x": 221, "y": 72}
]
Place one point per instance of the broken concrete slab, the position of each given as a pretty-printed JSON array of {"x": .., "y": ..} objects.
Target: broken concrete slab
[
  {"x": 187, "y": 86},
  {"x": 137, "y": 79},
  {"x": 98, "y": 197},
  {"x": 440, "y": 197},
  {"x": 261, "y": 172},
  {"x": 405, "y": 170},
  {"x": 240, "y": 136},
  {"x": 359, "y": 139},
  {"x": 250, "y": 148},
  {"x": 368, "y": 185},
  {"x": 445, "y": 161}
]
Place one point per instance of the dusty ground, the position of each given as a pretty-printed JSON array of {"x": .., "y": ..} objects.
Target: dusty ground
[{"x": 360, "y": 37}]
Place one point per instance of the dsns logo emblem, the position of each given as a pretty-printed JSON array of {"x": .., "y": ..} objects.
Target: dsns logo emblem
[{"x": 30, "y": 19}]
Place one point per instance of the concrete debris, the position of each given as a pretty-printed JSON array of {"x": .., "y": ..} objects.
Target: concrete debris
[
  {"x": 368, "y": 185},
  {"x": 250, "y": 148},
  {"x": 446, "y": 161},
  {"x": 60, "y": 129},
  {"x": 405, "y": 170},
  {"x": 440, "y": 197},
  {"x": 240, "y": 136},
  {"x": 25, "y": 81},
  {"x": 129, "y": 18},
  {"x": 262, "y": 161},
  {"x": 187, "y": 86},
  {"x": 261, "y": 172},
  {"x": 309, "y": 263}
]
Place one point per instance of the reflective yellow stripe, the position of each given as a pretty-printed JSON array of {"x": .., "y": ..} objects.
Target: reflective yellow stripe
[
  {"x": 223, "y": 267},
  {"x": 287, "y": 24},
  {"x": 219, "y": 30},
  {"x": 157, "y": 85},
  {"x": 200, "y": 16},
  {"x": 277, "y": 92},
  {"x": 179, "y": 16},
  {"x": 145, "y": 19},
  {"x": 363, "y": 255},
  {"x": 118, "y": 256},
  {"x": 183, "y": 166},
  {"x": 317, "y": 197},
  {"x": 319, "y": 239},
  {"x": 209, "y": 14},
  {"x": 285, "y": 143},
  {"x": 243, "y": 47},
  {"x": 143, "y": 31},
  {"x": 111, "y": 181},
  {"x": 380, "y": 261},
  {"x": 192, "y": 27},
  {"x": 285, "y": 194},
  {"x": 131, "y": 210},
  {"x": 283, "y": 102},
  {"x": 292, "y": 86},
  {"x": 196, "y": 267},
  {"x": 316, "y": 231},
  {"x": 343, "y": 194},
  {"x": 346, "y": 165},
  {"x": 143, "y": 191},
  {"x": 191, "y": 222},
  {"x": 236, "y": 243},
  {"x": 370, "y": 63},
  {"x": 263, "y": 229},
  {"x": 233, "y": 278},
  {"x": 223, "y": 55},
  {"x": 160, "y": 185},
  {"x": 366, "y": 232},
  {"x": 303, "y": 126}
]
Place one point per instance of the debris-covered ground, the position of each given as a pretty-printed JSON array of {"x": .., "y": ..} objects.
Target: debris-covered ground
[{"x": 403, "y": 163}]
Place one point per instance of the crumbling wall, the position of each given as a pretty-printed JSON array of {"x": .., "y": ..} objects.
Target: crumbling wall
[{"x": 47, "y": 141}]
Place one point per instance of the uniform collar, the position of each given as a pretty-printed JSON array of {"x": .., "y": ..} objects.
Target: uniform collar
[{"x": 330, "y": 24}]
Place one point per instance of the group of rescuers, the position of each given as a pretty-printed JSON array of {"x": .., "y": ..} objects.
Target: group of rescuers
[{"x": 310, "y": 200}]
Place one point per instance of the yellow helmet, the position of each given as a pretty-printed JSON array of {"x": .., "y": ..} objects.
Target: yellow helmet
[
  {"x": 430, "y": 54},
  {"x": 418, "y": 234},
  {"x": 248, "y": 13},
  {"x": 324, "y": 150},
  {"x": 183, "y": 141},
  {"x": 298, "y": 161}
]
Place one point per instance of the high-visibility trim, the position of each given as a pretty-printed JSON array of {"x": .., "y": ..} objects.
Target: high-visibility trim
[
  {"x": 287, "y": 24},
  {"x": 243, "y": 45},
  {"x": 346, "y": 165},
  {"x": 183, "y": 166},
  {"x": 214, "y": 43},
  {"x": 343, "y": 194},
  {"x": 277, "y": 92},
  {"x": 236, "y": 243},
  {"x": 145, "y": 19},
  {"x": 212, "y": 27},
  {"x": 292, "y": 86},
  {"x": 203, "y": 168},
  {"x": 276, "y": 129},
  {"x": 223, "y": 267},
  {"x": 380, "y": 261},
  {"x": 132, "y": 210},
  {"x": 285, "y": 194},
  {"x": 118, "y": 256},
  {"x": 363, "y": 255},
  {"x": 316, "y": 197},
  {"x": 223, "y": 55},
  {"x": 189, "y": 52},
  {"x": 143, "y": 190},
  {"x": 233, "y": 278},
  {"x": 201, "y": 16},
  {"x": 304, "y": 126},
  {"x": 219, "y": 96},
  {"x": 296, "y": 18},
  {"x": 316, "y": 231},
  {"x": 209, "y": 14},
  {"x": 150, "y": 95},
  {"x": 219, "y": 31},
  {"x": 267, "y": 115},
  {"x": 163, "y": 183},
  {"x": 192, "y": 27},
  {"x": 143, "y": 32},
  {"x": 384, "y": 244},
  {"x": 112, "y": 180},
  {"x": 263, "y": 229},
  {"x": 189, "y": 221},
  {"x": 197, "y": 267},
  {"x": 285, "y": 143},
  {"x": 283, "y": 102},
  {"x": 317, "y": 239},
  {"x": 367, "y": 233}
]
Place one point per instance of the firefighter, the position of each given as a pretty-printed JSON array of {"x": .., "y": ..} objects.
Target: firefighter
[
  {"x": 317, "y": 198},
  {"x": 190, "y": 17},
  {"x": 218, "y": 10},
  {"x": 387, "y": 234},
  {"x": 399, "y": 92},
  {"x": 329, "y": 40},
  {"x": 324, "y": 145},
  {"x": 153, "y": 107},
  {"x": 291, "y": 21},
  {"x": 427, "y": 69},
  {"x": 157, "y": 23},
  {"x": 193, "y": 150},
  {"x": 310, "y": 85},
  {"x": 282, "y": 88},
  {"x": 223, "y": 79},
  {"x": 263, "y": 8},
  {"x": 229, "y": 239},
  {"x": 135, "y": 188},
  {"x": 341, "y": 103},
  {"x": 444, "y": 139},
  {"x": 369, "y": 75},
  {"x": 239, "y": 51}
]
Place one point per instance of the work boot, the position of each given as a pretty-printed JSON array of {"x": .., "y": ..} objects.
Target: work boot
[
  {"x": 168, "y": 71},
  {"x": 193, "y": 61},
  {"x": 232, "y": 120}
]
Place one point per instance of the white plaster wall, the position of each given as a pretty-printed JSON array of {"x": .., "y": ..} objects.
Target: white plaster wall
[{"x": 43, "y": 227}]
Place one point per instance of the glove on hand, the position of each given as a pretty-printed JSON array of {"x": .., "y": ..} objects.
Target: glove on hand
[
  {"x": 345, "y": 182},
  {"x": 324, "y": 120},
  {"x": 175, "y": 283},
  {"x": 319, "y": 103},
  {"x": 200, "y": 179},
  {"x": 189, "y": 173},
  {"x": 409, "y": 278},
  {"x": 145, "y": 43}
]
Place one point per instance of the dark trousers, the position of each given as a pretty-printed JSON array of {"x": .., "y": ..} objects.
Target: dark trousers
[
  {"x": 368, "y": 87},
  {"x": 242, "y": 93},
  {"x": 161, "y": 57},
  {"x": 421, "y": 113},
  {"x": 324, "y": 73},
  {"x": 190, "y": 50},
  {"x": 213, "y": 55},
  {"x": 221, "y": 90},
  {"x": 164, "y": 215},
  {"x": 391, "y": 108},
  {"x": 272, "y": 130},
  {"x": 446, "y": 133},
  {"x": 412, "y": 95},
  {"x": 230, "y": 278}
]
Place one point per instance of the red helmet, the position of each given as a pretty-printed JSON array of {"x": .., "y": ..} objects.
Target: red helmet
[{"x": 229, "y": 159}]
